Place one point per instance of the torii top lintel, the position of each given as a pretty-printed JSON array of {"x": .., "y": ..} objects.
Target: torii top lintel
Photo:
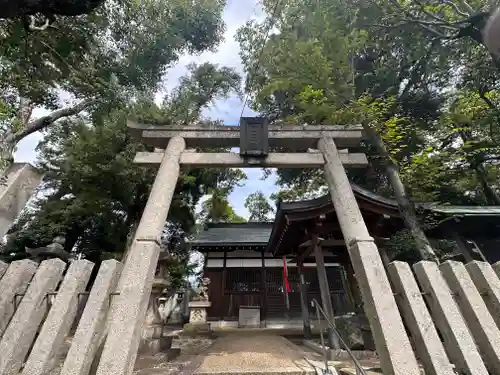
[{"x": 291, "y": 137}]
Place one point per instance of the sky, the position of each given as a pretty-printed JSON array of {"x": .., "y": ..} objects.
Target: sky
[{"x": 236, "y": 13}]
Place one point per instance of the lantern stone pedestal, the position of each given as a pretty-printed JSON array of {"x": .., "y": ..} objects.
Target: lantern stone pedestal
[
  {"x": 54, "y": 250},
  {"x": 153, "y": 338},
  {"x": 198, "y": 318}
]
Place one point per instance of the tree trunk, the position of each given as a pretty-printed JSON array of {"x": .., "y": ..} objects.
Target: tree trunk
[
  {"x": 6, "y": 160},
  {"x": 405, "y": 204},
  {"x": 481, "y": 173},
  {"x": 490, "y": 194}
]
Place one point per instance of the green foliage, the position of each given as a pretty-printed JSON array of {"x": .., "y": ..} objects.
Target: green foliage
[
  {"x": 382, "y": 65},
  {"x": 413, "y": 74},
  {"x": 403, "y": 247},
  {"x": 131, "y": 41},
  {"x": 102, "y": 60},
  {"x": 95, "y": 194},
  {"x": 217, "y": 209},
  {"x": 258, "y": 206}
]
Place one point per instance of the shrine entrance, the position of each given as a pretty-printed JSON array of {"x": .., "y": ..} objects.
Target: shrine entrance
[
  {"x": 336, "y": 290},
  {"x": 314, "y": 147}
]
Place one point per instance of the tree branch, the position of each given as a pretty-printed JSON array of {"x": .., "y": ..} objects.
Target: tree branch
[
  {"x": 424, "y": 25},
  {"x": 447, "y": 25},
  {"x": 433, "y": 16},
  {"x": 44, "y": 121},
  {"x": 455, "y": 8},
  {"x": 467, "y": 6},
  {"x": 490, "y": 158}
]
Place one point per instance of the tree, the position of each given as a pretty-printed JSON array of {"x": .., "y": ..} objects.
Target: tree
[
  {"x": 101, "y": 60},
  {"x": 431, "y": 120},
  {"x": 217, "y": 209},
  {"x": 27, "y": 10},
  {"x": 19, "y": 8},
  {"x": 455, "y": 30},
  {"x": 258, "y": 206},
  {"x": 97, "y": 194},
  {"x": 449, "y": 20},
  {"x": 205, "y": 84},
  {"x": 325, "y": 83}
]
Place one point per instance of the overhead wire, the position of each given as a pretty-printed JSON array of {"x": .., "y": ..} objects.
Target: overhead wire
[{"x": 264, "y": 41}]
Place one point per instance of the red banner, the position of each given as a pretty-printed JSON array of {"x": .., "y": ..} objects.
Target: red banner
[{"x": 285, "y": 276}]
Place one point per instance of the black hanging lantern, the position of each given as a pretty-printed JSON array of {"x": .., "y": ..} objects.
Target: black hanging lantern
[{"x": 254, "y": 137}]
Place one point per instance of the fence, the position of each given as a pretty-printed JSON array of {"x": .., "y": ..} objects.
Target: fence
[
  {"x": 452, "y": 312},
  {"x": 38, "y": 307}
]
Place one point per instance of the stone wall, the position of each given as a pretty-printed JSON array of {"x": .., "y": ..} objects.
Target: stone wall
[
  {"x": 451, "y": 311},
  {"x": 39, "y": 304},
  {"x": 47, "y": 315}
]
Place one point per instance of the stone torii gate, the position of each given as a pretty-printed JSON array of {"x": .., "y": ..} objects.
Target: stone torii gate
[{"x": 124, "y": 332}]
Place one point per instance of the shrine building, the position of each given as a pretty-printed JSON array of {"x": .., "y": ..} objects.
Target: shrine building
[{"x": 245, "y": 264}]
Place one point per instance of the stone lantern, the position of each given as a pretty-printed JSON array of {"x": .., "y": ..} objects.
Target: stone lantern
[
  {"x": 153, "y": 339},
  {"x": 54, "y": 250}
]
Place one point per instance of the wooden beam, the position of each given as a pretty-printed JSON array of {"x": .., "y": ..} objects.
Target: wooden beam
[
  {"x": 302, "y": 256},
  {"x": 310, "y": 246},
  {"x": 233, "y": 160},
  {"x": 223, "y": 284},
  {"x": 263, "y": 312},
  {"x": 326, "y": 301},
  {"x": 325, "y": 243},
  {"x": 291, "y": 137},
  {"x": 304, "y": 303}
]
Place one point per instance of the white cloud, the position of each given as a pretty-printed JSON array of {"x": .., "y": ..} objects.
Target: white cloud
[{"x": 236, "y": 13}]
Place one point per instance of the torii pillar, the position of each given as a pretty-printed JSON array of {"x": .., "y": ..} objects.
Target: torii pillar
[
  {"x": 392, "y": 343},
  {"x": 124, "y": 333}
]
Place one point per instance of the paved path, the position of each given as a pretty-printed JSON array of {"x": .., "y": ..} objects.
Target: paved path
[{"x": 255, "y": 354}]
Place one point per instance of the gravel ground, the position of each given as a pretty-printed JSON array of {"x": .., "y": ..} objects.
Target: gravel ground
[
  {"x": 253, "y": 354},
  {"x": 155, "y": 365}
]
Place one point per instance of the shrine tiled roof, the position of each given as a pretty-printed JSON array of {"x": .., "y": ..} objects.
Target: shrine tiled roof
[
  {"x": 443, "y": 209},
  {"x": 233, "y": 234},
  {"x": 388, "y": 204},
  {"x": 291, "y": 216}
]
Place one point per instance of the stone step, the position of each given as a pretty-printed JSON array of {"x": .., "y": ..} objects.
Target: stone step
[
  {"x": 352, "y": 371},
  {"x": 369, "y": 371},
  {"x": 263, "y": 372},
  {"x": 159, "y": 371}
]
